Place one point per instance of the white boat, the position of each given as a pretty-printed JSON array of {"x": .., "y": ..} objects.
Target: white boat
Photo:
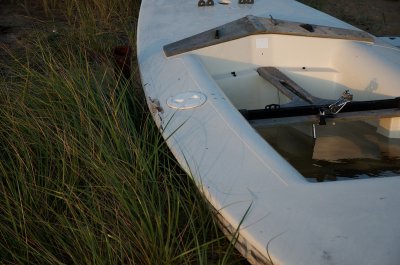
[{"x": 226, "y": 83}]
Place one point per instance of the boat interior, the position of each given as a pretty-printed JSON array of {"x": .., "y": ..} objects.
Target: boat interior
[
  {"x": 298, "y": 77},
  {"x": 321, "y": 66}
]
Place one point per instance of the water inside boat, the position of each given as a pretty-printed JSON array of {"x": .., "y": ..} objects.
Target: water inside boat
[{"x": 340, "y": 151}]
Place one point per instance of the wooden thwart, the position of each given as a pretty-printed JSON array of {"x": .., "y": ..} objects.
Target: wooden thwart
[
  {"x": 252, "y": 25},
  {"x": 286, "y": 85},
  {"x": 355, "y": 110}
]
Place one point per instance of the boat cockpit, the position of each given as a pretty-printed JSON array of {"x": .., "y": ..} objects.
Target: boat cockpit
[{"x": 335, "y": 90}]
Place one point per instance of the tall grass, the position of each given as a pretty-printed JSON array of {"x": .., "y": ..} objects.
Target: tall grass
[{"x": 85, "y": 177}]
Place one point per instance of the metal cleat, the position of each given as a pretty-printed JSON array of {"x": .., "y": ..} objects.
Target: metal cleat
[
  {"x": 339, "y": 104},
  {"x": 210, "y": 3},
  {"x": 205, "y": 3}
]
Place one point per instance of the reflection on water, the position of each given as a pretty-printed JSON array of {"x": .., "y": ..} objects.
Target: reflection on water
[{"x": 345, "y": 150}]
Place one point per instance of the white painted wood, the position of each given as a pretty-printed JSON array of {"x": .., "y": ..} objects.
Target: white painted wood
[{"x": 296, "y": 222}]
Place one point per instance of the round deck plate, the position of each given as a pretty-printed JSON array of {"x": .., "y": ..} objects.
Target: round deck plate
[{"x": 186, "y": 100}]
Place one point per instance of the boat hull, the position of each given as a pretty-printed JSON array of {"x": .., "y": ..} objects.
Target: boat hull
[{"x": 281, "y": 217}]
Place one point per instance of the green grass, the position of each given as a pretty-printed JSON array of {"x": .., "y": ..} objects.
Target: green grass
[{"x": 85, "y": 177}]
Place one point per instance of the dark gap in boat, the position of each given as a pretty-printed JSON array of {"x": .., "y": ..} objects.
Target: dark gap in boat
[
  {"x": 233, "y": 74},
  {"x": 308, "y": 27},
  {"x": 217, "y": 34}
]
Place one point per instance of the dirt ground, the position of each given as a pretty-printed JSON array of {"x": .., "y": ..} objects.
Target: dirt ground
[
  {"x": 15, "y": 22},
  {"x": 379, "y": 17}
]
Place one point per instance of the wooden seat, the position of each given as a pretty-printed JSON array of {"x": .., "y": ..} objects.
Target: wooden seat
[
  {"x": 252, "y": 25},
  {"x": 287, "y": 86},
  {"x": 356, "y": 110}
]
